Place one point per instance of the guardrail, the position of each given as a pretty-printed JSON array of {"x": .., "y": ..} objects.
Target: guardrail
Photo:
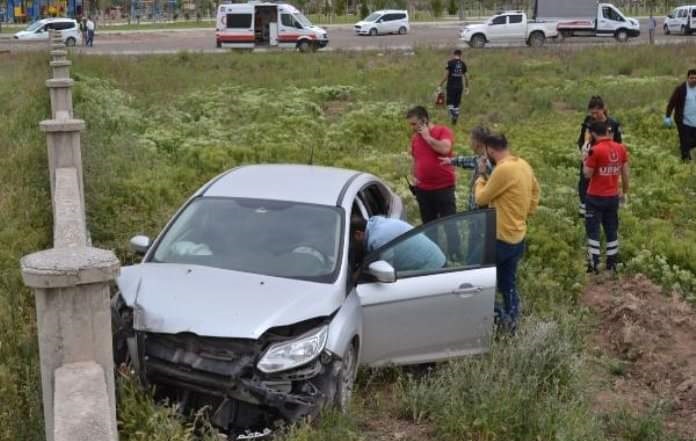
[{"x": 71, "y": 285}]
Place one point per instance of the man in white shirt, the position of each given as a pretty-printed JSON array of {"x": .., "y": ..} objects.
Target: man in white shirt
[{"x": 90, "y": 32}]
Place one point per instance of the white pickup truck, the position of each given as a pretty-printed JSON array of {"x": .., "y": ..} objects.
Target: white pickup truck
[{"x": 509, "y": 27}]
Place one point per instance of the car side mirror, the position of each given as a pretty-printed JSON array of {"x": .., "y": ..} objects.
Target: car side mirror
[
  {"x": 140, "y": 244},
  {"x": 382, "y": 271}
]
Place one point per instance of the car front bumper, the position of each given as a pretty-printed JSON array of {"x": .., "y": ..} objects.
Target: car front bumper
[{"x": 222, "y": 374}]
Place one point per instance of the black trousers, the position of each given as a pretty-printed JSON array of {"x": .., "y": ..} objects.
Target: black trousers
[
  {"x": 602, "y": 212},
  {"x": 583, "y": 183},
  {"x": 687, "y": 140},
  {"x": 434, "y": 204}
]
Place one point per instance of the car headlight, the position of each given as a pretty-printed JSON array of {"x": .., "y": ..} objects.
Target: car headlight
[{"x": 287, "y": 355}]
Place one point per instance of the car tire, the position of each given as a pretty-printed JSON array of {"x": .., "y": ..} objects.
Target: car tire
[
  {"x": 537, "y": 39},
  {"x": 373, "y": 32},
  {"x": 621, "y": 36},
  {"x": 218, "y": 44},
  {"x": 345, "y": 379},
  {"x": 665, "y": 29},
  {"x": 70, "y": 42},
  {"x": 402, "y": 30},
  {"x": 304, "y": 46},
  {"x": 477, "y": 41}
]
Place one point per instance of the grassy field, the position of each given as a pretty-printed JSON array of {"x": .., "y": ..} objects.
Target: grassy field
[{"x": 159, "y": 127}]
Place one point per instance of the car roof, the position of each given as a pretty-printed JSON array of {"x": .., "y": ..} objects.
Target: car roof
[
  {"x": 286, "y": 182},
  {"x": 383, "y": 11},
  {"x": 52, "y": 19}
]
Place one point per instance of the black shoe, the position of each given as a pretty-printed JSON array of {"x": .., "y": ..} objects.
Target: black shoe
[
  {"x": 592, "y": 269},
  {"x": 612, "y": 267}
]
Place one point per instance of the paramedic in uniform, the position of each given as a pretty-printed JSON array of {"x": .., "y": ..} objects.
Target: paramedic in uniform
[
  {"x": 457, "y": 83},
  {"x": 605, "y": 163}
]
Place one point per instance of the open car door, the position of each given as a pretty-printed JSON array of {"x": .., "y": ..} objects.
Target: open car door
[{"x": 428, "y": 295}]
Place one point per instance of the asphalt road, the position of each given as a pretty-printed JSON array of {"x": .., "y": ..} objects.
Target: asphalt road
[{"x": 341, "y": 37}]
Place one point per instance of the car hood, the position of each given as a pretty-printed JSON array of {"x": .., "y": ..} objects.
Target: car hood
[
  {"x": 21, "y": 34},
  {"x": 173, "y": 298},
  {"x": 364, "y": 23},
  {"x": 474, "y": 27}
]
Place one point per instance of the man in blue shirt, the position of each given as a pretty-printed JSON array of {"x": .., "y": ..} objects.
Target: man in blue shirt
[{"x": 416, "y": 253}]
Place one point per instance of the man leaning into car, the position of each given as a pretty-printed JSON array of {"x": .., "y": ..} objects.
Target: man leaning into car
[{"x": 416, "y": 253}]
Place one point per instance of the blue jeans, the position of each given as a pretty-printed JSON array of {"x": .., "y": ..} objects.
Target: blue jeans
[{"x": 507, "y": 258}]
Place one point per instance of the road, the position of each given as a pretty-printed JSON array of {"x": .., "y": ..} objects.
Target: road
[{"x": 435, "y": 35}]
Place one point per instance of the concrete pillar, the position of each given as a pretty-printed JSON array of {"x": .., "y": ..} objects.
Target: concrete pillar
[
  {"x": 71, "y": 288},
  {"x": 63, "y": 140},
  {"x": 60, "y": 91},
  {"x": 61, "y": 69},
  {"x": 57, "y": 46},
  {"x": 59, "y": 55}
]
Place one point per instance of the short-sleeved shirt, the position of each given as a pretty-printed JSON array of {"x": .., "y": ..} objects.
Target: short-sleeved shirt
[
  {"x": 413, "y": 254},
  {"x": 607, "y": 158},
  {"x": 456, "y": 69},
  {"x": 430, "y": 172}
]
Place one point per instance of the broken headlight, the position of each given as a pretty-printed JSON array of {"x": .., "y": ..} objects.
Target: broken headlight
[{"x": 294, "y": 353}]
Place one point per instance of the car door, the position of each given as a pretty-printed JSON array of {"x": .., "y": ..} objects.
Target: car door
[
  {"x": 673, "y": 21},
  {"x": 515, "y": 29},
  {"x": 440, "y": 302},
  {"x": 496, "y": 28}
]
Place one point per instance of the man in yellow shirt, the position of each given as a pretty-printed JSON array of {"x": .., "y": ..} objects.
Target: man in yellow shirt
[{"x": 514, "y": 192}]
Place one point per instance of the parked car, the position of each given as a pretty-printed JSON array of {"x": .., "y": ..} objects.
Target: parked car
[
  {"x": 509, "y": 27},
  {"x": 38, "y": 30},
  {"x": 390, "y": 21},
  {"x": 249, "y": 301},
  {"x": 681, "y": 20}
]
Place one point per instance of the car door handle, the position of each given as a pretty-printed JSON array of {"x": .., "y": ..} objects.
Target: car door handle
[{"x": 467, "y": 289}]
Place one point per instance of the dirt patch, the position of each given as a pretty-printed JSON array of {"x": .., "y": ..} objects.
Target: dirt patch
[
  {"x": 654, "y": 337},
  {"x": 379, "y": 418},
  {"x": 335, "y": 108}
]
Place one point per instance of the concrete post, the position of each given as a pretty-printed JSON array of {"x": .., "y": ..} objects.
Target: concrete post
[
  {"x": 71, "y": 287},
  {"x": 59, "y": 55},
  {"x": 57, "y": 46},
  {"x": 63, "y": 140},
  {"x": 60, "y": 91},
  {"x": 61, "y": 69}
]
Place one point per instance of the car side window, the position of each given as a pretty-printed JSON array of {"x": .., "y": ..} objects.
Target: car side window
[
  {"x": 499, "y": 20},
  {"x": 375, "y": 199},
  {"x": 400, "y": 17},
  {"x": 461, "y": 242},
  {"x": 287, "y": 20},
  {"x": 515, "y": 19},
  {"x": 239, "y": 21}
]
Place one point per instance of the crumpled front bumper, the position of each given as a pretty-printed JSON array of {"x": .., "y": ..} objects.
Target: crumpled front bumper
[{"x": 222, "y": 374}]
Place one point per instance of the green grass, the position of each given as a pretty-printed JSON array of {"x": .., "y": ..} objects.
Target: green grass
[{"x": 159, "y": 127}]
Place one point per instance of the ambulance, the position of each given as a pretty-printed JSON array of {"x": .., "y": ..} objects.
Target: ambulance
[{"x": 266, "y": 25}]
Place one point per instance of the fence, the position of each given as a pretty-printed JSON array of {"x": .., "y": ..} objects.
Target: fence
[{"x": 71, "y": 286}]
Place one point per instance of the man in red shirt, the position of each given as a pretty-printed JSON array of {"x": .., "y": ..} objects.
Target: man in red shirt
[
  {"x": 434, "y": 181},
  {"x": 605, "y": 164}
]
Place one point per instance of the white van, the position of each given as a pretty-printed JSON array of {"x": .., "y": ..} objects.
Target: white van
[
  {"x": 390, "y": 21},
  {"x": 681, "y": 21},
  {"x": 38, "y": 30},
  {"x": 266, "y": 25}
]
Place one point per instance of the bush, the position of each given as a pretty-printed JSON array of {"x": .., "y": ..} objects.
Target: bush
[
  {"x": 437, "y": 7},
  {"x": 452, "y": 7},
  {"x": 364, "y": 10}
]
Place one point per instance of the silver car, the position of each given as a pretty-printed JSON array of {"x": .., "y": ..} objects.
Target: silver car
[{"x": 250, "y": 302}]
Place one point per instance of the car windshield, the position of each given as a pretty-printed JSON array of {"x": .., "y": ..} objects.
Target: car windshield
[
  {"x": 304, "y": 21},
  {"x": 373, "y": 17},
  {"x": 34, "y": 26},
  {"x": 274, "y": 238}
]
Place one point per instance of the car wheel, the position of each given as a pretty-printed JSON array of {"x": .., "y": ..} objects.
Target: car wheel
[
  {"x": 218, "y": 44},
  {"x": 304, "y": 46},
  {"x": 373, "y": 32},
  {"x": 70, "y": 42},
  {"x": 621, "y": 36},
  {"x": 402, "y": 30},
  {"x": 665, "y": 29},
  {"x": 478, "y": 41},
  {"x": 537, "y": 39},
  {"x": 345, "y": 379}
]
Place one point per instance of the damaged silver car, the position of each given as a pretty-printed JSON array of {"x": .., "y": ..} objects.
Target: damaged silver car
[{"x": 250, "y": 302}]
